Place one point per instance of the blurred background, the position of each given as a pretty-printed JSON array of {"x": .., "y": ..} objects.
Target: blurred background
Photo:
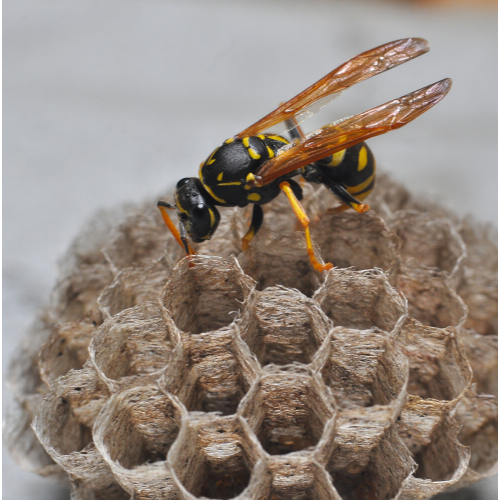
[{"x": 107, "y": 101}]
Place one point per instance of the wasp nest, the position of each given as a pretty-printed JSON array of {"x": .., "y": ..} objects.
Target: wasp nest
[{"x": 250, "y": 375}]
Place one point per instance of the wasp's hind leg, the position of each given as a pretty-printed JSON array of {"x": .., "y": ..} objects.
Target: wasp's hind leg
[
  {"x": 346, "y": 198},
  {"x": 180, "y": 238},
  {"x": 255, "y": 224},
  {"x": 304, "y": 220}
]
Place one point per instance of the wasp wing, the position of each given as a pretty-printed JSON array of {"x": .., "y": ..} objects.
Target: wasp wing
[
  {"x": 341, "y": 135},
  {"x": 357, "y": 69}
]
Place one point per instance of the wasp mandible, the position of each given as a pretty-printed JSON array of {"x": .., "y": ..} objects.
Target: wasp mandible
[{"x": 255, "y": 167}]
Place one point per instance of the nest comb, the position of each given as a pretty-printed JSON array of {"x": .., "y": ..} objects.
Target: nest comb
[{"x": 252, "y": 376}]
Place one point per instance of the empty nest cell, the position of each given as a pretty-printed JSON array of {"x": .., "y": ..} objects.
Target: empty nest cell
[
  {"x": 299, "y": 478},
  {"x": 138, "y": 426},
  {"x": 65, "y": 349},
  {"x": 361, "y": 241},
  {"x": 438, "y": 365},
  {"x": 281, "y": 260},
  {"x": 211, "y": 372},
  {"x": 63, "y": 424},
  {"x": 433, "y": 242},
  {"x": 214, "y": 457},
  {"x": 137, "y": 341},
  {"x": 287, "y": 409},
  {"x": 372, "y": 480},
  {"x": 205, "y": 293},
  {"x": 430, "y": 299},
  {"x": 363, "y": 368},
  {"x": 361, "y": 300},
  {"x": 141, "y": 238},
  {"x": 135, "y": 285},
  {"x": 282, "y": 326}
]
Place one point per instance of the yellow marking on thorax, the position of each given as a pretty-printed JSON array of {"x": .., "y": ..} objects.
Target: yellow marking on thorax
[
  {"x": 362, "y": 159},
  {"x": 229, "y": 141},
  {"x": 278, "y": 138},
  {"x": 270, "y": 152},
  {"x": 212, "y": 161},
  {"x": 219, "y": 177},
  {"x": 261, "y": 136},
  {"x": 212, "y": 155},
  {"x": 360, "y": 187},
  {"x": 235, "y": 183},
  {"x": 337, "y": 158},
  {"x": 210, "y": 192},
  {"x": 254, "y": 197},
  {"x": 246, "y": 142},
  {"x": 253, "y": 153}
]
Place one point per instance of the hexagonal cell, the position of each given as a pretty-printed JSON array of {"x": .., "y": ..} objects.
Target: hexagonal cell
[
  {"x": 433, "y": 242},
  {"x": 24, "y": 375},
  {"x": 282, "y": 326},
  {"x": 208, "y": 295},
  {"x": 281, "y": 260},
  {"x": 478, "y": 415},
  {"x": 138, "y": 426},
  {"x": 438, "y": 364},
  {"x": 136, "y": 342},
  {"x": 361, "y": 299},
  {"x": 214, "y": 457},
  {"x": 63, "y": 424},
  {"x": 24, "y": 447},
  {"x": 482, "y": 354},
  {"x": 141, "y": 238},
  {"x": 134, "y": 433},
  {"x": 431, "y": 435},
  {"x": 211, "y": 372},
  {"x": 300, "y": 478},
  {"x": 135, "y": 285},
  {"x": 363, "y": 368},
  {"x": 479, "y": 291},
  {"x": 75, "y": 296},
  {"x": 65, "y": 349},
  {"x": 287, "y": 409},
  {"x": 360, "y": 241},
  {"x": 359, "y": 481},
  {"x": 430, "y": 300},
  {"x": 479, "y": 285}
]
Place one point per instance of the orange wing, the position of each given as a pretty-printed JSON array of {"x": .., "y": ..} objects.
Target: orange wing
[
  {"x": 338, "y": 136},
  {"x": 357, "y": 69}
]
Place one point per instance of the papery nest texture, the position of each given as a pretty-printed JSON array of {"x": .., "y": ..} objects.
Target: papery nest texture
[{"x": 252, "y": 376}]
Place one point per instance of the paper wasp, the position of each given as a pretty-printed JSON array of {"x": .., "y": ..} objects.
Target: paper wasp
[{"x": 254, "y": 167}]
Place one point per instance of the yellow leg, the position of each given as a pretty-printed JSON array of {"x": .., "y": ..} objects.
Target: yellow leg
[
  {"x": 304, "y": 220},
  {"x": 173, "y": 229}
]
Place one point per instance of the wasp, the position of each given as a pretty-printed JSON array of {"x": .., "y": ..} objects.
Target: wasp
[{"x": 254, "y": 167}]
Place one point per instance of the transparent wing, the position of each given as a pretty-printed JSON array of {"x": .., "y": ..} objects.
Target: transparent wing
[
  {"x": 348, "y": 132},
  {"x": 357, "y": 69}
]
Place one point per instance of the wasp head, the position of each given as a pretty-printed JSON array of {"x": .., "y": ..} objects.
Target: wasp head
[{"x": 195, "y": 209}]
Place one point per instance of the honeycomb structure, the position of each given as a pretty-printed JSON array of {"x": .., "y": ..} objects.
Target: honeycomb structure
[{"x": 250, "y": 375}]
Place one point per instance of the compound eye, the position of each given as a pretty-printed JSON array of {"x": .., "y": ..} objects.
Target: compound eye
[{"x": 182, "y": 182}]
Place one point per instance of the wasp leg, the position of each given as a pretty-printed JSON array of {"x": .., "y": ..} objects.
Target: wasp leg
[
  {"x": 164, "y": 206},
  {"x": 346, "y": 198},
  {"x": 257, "y": 218},
  {"x": 304, "y": 220}
]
